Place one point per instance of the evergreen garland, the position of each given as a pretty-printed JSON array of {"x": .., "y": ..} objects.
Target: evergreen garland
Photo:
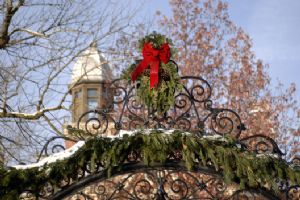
[
  {"x": 162, "y": 97},
  {"x": 236, "y": 164}
]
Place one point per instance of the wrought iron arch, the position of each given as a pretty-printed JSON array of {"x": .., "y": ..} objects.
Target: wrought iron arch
[{"x": 169, "y": 181}]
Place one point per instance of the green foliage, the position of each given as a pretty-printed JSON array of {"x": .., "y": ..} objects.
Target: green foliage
[
  {"x": 162, "y": 97},
  {"x": 236, "y": 164},
  {"x": 156, "y": 40}
]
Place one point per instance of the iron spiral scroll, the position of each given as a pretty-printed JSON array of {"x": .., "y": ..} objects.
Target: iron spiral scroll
[{"x": 193, "y": 111}]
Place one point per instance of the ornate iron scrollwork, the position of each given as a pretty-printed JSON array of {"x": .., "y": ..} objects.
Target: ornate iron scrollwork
[
  {"x": 53, "y": 146},
  {"x": 194, "y": 112},
  {"x": 171, "y": 182},
  {"x": 293, "y": 192},
  {"x": 261, "y": 144}
]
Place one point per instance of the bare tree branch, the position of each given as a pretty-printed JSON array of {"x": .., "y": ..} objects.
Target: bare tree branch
[
  {"x": 39, "y": 43},
  {"x": 10, "y": 11}
]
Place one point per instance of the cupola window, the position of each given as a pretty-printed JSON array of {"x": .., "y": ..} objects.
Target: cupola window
[{"x": 92, "y": 98}]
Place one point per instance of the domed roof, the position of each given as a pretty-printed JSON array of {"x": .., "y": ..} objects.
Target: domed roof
[{"x": 91, "y": 66}]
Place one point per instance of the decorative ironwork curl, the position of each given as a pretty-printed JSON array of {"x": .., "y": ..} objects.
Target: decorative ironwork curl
[
  {"x": 226, "y": 122},
  {"x": 261, "y": 144},
  {"x": 295, "y": 161},
  {"x": 142, "y": 188},
  {"x": 52, "y": 146},
  {"x": 46, "y": 191},
  {"x": 293, "y": 192},
  {"x": 133, "y": 157},
  {"x": 95, "y": 122},
  {"x": 179, "y": 188}
]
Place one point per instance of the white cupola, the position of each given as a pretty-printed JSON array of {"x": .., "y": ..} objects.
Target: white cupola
[
  {"x": 91, "y": 66},
  {"x": 89, "y": 84}
]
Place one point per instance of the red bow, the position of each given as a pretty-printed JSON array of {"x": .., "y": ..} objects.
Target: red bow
[{"x": 152, "y": 57}]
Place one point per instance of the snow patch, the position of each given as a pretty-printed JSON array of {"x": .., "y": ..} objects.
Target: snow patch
[
  {"x": 69, "y": 152},
  {"x": 54, "y": 157}
]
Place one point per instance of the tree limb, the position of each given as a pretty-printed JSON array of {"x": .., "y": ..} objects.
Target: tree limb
[{"x": 10, "y": 11}]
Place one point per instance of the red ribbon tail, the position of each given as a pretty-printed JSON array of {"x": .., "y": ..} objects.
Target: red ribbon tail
[
  {"x": 154, "y": 68},
  {"x": 139, "y": 69}
]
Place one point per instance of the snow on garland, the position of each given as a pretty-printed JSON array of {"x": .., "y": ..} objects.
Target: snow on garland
[
  {"x": 222, "y": 154},
  {"x": 54, "y": 157},
  {"x": 69, "y": 152}
]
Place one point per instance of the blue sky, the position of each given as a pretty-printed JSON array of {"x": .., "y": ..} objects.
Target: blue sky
[{"x": 273, "y": 25}]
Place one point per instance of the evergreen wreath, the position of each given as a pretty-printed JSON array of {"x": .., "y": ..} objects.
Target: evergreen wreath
[{"x": 156, "y": 75}]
